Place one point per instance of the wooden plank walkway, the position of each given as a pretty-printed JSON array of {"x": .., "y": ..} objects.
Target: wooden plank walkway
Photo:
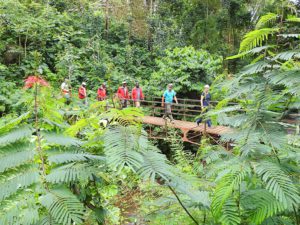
[{"x": 186, "y": 126}]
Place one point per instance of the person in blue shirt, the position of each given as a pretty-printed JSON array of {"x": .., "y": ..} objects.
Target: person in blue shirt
[
  {"x": 167, "y": 100},
  {"x": 205, "y": 102}
]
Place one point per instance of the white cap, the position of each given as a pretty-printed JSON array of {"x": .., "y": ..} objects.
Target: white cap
[
  {"x": 83, "y": 83},
  {"x": 206, "y": 86}
]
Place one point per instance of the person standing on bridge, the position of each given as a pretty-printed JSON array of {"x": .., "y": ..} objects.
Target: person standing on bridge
[
  {"x": 167, "y": 100},
  {"x": 123, "y": 94},
  {"x": 205, "y": 103},
  {"x": 137, "y": 95}
]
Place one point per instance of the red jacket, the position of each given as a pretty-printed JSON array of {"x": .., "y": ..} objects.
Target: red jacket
[
  {"x": 101, "y": 93},
  {"x": 134, "y": 94},
  {"x": 123, "y": 93},
  {"x": 82, "y": 92}
]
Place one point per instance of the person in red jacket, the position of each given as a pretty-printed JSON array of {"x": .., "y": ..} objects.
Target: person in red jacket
[
  {"x": 101, "y": 93},
  {"x": 137, "y": 95},
  {"x": 82, "y": 93},
  {"x": 123, "y": 94}
]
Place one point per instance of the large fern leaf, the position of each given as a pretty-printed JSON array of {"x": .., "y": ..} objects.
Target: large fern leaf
[
  {"x": 261, "y": 204},
  {"x": 230, "y": 213},
  {"x": 278, "y": 183},
  {"x": 19, "y": 210},
  {"x": 71, "y": 172},
  {"x": 73, "y": 157},
  {"x": 256, "y": 38},
  {"x": 15, "y": 155},
  {"x": 63, "y": 206},
  {"x": 155, "y": 165},
  {"x": 266, "y": 20},
  {"x": 15, "y": 135},
  {"x": 121, "y": 148},
  {"x": 226, "y": 186},
  {"x": 17, "y": 181},
  {"x": 60, "y": 139}
]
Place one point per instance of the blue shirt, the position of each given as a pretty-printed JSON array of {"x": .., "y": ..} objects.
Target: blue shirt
[
  {"x": 206, "y": 99},
  {"x": 169, "y": 96}
]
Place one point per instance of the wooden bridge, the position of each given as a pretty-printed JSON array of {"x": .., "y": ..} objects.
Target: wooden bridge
[{"x": 185, "y": 114}]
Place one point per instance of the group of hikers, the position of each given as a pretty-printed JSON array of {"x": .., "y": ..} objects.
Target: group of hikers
[{"x": 137, "y": 95}]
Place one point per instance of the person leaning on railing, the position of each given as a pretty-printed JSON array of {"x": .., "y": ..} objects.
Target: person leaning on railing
[
  {"x": 205, "y": 103},
  {"x": 167, "y": 100}
]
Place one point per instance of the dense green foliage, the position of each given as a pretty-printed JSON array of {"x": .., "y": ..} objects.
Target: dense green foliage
[{"x": 84, "y": 164}]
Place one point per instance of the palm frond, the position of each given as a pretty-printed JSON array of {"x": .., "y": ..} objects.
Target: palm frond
[
  {"x": 256, "y": 38},
  {"x": 278, "y": 183},
  {"x": 63, "y": 206}
]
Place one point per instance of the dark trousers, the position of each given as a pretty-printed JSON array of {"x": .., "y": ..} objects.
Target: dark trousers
[{"x": 208, "y": 122}]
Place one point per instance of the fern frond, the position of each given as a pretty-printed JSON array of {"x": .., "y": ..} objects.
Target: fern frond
[
  {"x": 60, "y": 139},
  {"x": 11, "y": 123},
  {"x": 125, "y": 117},
  {"x": 261, "y": 204},
  {"x": 73, "y": 157},
  {"x": 288, "y": 55},
  {"x": 278, "y": 183},
  {"x": 17, "y": 181},
  {"x": 293, "y": 19},
  {"x": 155, "y": 165},
  {"x": 71, "y": 172},
  {"x": 47, "y": 220},
  {"x": 257, "y": 67},
  {"x": 21, "y": 209},
  {"x": 226, "y": 186},
  {"x": 123, "y": 152},
  {"x": 287, "y": 78},
  {"x": 16, "y": 155},
  {"x": 250, "y": 52},
  {"x": 15, "y": 135},
  {"x": 269, "y": 18},
  {"x": 63, "y": 206},
  {"x": 289, "y": 35},
  {"x": 256, "y": 38},
  {"x": 230, "y": 213},
  {"x": 276, "y": 220}
]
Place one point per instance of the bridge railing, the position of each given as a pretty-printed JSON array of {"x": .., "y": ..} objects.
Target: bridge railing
[{"x": 186, "y": 109}]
